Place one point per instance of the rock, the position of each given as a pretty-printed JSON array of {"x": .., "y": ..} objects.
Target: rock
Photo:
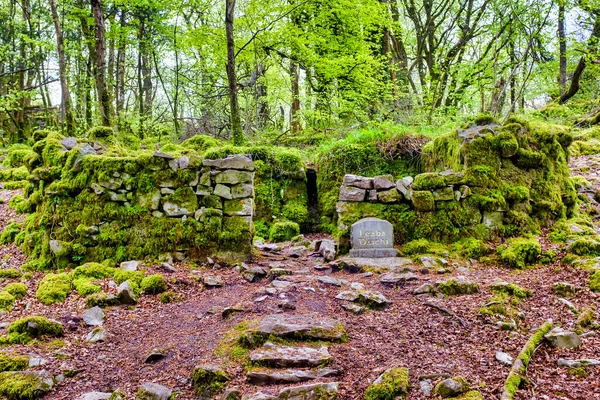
[
  {"x": 426, "y": 386},
  {"x": 125, "y": 294},
  {"x": 154, "y": 356},
  {"x": 130, "y": 265},
  {"x": 279, "y": 356},
  {"x": 353, "y": 308},
  {"x": 279, "y": 284},
  {"x": 111, "y": 183},
  {"x": 352, "y": 194},
  {"x": 94, "y": 396},
  {"x": 585, "y": 362},
  {"x": 241, "y": 191},
  {"x": 93, "y": 316},
  {"x": 569, "y": 305},
  {"x": 348, "y": 295},
  {"x": 493, "y": 219},
  {"x": 228, "y": 311},
  {"x": 233, "y": 177},
  {"x": 37, "y": 382},
  {"x": 37, "y": 362},
  {"x": 153, "y": 391},
  {"x": 270, "y": 247},
  {"x": 451, "y": 387},
  {"x": 433, "y": 262},
  {"x": 562, "y": 339},
  {"x": 389, "y": 196},
  {"x": 383, "y": 182},
  {"x": 507, "y": 325},
  {"x": 96, "y": 335},
  {"x": 160, "y": 154},
  {"x": 504, "y": 358},
  {"x": 59, "y": 248},
  {"x": 372, "y": 196},
  {"x": 316, "y": 391},
  {"x": 426, "y": 288},
  {"x": 184, "y": 162},
  {"x": 444, "y": 194},
  {"x": 265, "y": 377},
  {"x": 296, "y": 251},
  {"x": 232, "y": 394},
  {"x": 394, "y": 278},
  {"x": 69, "y": 142},
  {"x": 308, "y": 326},
  {"x": 564, "y": 289},
  {"x": 360, "y": 182},
  {"x": 238, "y": 161},
  {"x": 457, "y": 286},
  {"x": 223, "y": 191},
  {"x": 373, "y": 299},
  {"x": 254, "y": 273},
  {"x": 327, "y": 249},
  {"x": 328, "y": 280},
  {"x": 423, "y": 200},
  {"x": 392, "y": 384},
  {"x": 213, "y": 281},
  {"x": 404, "y": 186},
  {"x": 208, "y": 380}
]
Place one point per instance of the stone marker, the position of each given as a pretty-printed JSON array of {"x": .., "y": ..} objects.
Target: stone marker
[{"x": 373, "y": 238}]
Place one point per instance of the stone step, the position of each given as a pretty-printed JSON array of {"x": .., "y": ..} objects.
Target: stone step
[
  {"x": 303, "y": 327},
  {"x": 277, "y": 377},
  {"x": 272, "y": 355},
  {"x": 315, "y": 391}
]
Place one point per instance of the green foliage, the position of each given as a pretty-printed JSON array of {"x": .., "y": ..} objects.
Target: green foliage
[
  {"x": 520, "y": 252},
  {"x": 54, "y": 288},
  {"x": 471, "y": 248},
  {"x": 92, "y": 270},
  {"x": 512, "y": 289},
  {"x": 121, "y": 276},
  {"x": 154, "y": 284},
  {"x": 86, "y": 286},
  {"x": 283, "y": 231}
]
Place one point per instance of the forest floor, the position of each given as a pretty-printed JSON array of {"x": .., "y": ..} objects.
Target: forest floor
[{"x": 408, "y": 333}]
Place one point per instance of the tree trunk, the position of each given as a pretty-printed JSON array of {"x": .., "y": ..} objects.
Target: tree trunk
[
  {"x": 120, "y": 68},
  {"x": 62, "y": 71},
  {"x": 295, "y": 108},
  {"x": 562, "y": 44},
  {"x": 235, "y": 120},
  {"x": 100, "y": 61}
]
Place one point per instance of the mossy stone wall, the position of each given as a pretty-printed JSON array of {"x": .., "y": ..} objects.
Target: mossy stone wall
[
  {"x": 84, "y": 206},
  {"x": 485, "y": 182}
]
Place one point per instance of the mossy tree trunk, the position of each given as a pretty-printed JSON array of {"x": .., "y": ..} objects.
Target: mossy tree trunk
[{"x": 235, "y": 119}]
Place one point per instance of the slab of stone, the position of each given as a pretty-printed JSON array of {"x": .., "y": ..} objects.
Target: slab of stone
[
  {"x": 223, "y": 191},
  {"x": 94, "y": 396},
  {"x": 69, "y": 142},
  {"x": 562, "y": 339},
  {"x": 383, "y": 182},
  {"x": 585, "y": 362},
  {"x": 374, "y": 235},
  {"x": 394, "y": 278},
  {"x": 93, "y": 316},
  {"x": 267, "y": 377},
  {"x": 278, "y": 356},
  {"x": 125, "y": 294},
  {"x": 130, "y": 265},
  {"x": 358, "y": 181},
  {"x": 238, "y": 161},
  {"x": 445, "y": 194},
  {"x": 389, "y": 196},
  {"x": 504, "y": 358},
  {"x": 348, "y": 193},
  {"x": 397, "y": 264},
  {"x": 213, "y": 281},
  {"x": 424, "y": 289},
  {"x": 329, "y": 280},
  {"x": 433, "y": 262},
  {"x": 153, "y": 391},
  {"x": 353, "y": 308},
  {"x": 233, "y": 177},
  {"x": 242, "y": 190},
  {"x": 327, "y": 249},
  {"x": 308, "y": 326},
  {"x": 404, "y": 186},
  {"x": 316, "y": 391}
]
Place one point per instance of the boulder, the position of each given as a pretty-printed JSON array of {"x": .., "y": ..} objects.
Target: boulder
[
  {"x": 562, "y": 339},
  {"x": 125, "y": 294},
  {"x": 93, "y": 316},
  {"x": 327, "y": 249},
  {"x": 96, "y": 335},
  {"x": 451, "y": 387},
  {"x": 94, "y": 396},
  {"x": 208, "y": 380},
  {"x": 153, "y": 391},
  {"x": 383, "y": 182},
  {"x": 389, "y": 196}
]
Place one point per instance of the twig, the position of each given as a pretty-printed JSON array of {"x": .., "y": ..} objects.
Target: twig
[{"x": 447, "y": 312}]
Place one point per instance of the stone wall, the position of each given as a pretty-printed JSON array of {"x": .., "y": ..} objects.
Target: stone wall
[
  {"x": 485, "y": 182},
  {"x": 86, "y": 206}
]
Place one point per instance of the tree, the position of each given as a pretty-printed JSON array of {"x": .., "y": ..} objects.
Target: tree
[{"x": 236, "y": 123}]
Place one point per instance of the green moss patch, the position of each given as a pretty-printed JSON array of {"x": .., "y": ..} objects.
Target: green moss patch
[
  {"x": 154, "y": 284},
  {"x": 392, "y": 384},
  {"x": 25, "y": 329},
  {"x": 520, "y": 252},
  {"x": 283, "y": 231},
  {"x": 54, "y": 288},
  {"x": 9, "y": 362}
]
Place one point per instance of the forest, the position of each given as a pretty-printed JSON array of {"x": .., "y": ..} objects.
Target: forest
[{"x": 299, "y": 199}]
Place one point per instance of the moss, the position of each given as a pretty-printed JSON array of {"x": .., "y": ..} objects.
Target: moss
[
  {"x": 584, "y": 247},
  {"x": 86, "y": 286},
  {"x": 100, "y": 132},
  {"x": 121, "y": 276},
  {"x": 101, "y": 299},
  {"x": 208, "y": 382},
  {"x": 17, "y": 289},
  {"x": 35, "y": 326},
  {"x": 92, "y": 270},
  {"x": 516, "y": 193},
  {"x": 595, "y": 281},
  {"x": 154, "y": 284},
  {"x": 441, "y": 390},
  {"x": 520, "y": 252},
  {"x": 429, "y": 180},
  {"x": 7, "y": 301},
  {"x": 169, "y": 297},
  {"x": 512, "y": 289},
  {"x": 393, "y": 385},
  {"x": 10, "y": 232},
  {"x": 13, "y": 362},
  {"x": 200, "y": 143},
  {"x": 295, "y": 211},
  {"x": 283, "y": 231},
  {"x": 471, "y": 248},
  {"x": 470, "y": 395},
  {"x": 507, "y": 144},
  {"x": 19, "y": 386},
  {"x": 423, "y": 200},
  {"x": 452, "y": 287},
  {"x": 10, "y": 273},
  {"x": 54, "y": 288}
]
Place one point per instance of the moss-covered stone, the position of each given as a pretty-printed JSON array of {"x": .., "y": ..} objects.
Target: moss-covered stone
[
  {"x": 209, "y": 380},
  {"x": 7, "y": 301},
  {"x": 520, "y": 252},
  {"x": 10, "y": 232},
  {"x": 25, "y": 329},
  {"x": 283, "y": 231},
  {"x": 392, "y": 384},
  {"x": 28, "y": 385},
  {"x": 10, "y": 362},
  {"x": 457, "y": 286},
  {"x": 595, "y": 281},
  {"x": 423, "y": 200},
  {"x": 17, "y": 289},
  {"x": 10, "y": 273},
  {"x": 54, "y": 288},
  {"x": 451, "y": 387},
  {"x": 154, "y": 284}
]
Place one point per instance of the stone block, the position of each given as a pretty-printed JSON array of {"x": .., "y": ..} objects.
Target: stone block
[
  {"x": 423, "y": 200},
  {"x": 383, "y": 182},
  {"x": 389, "y": 196},
  {"x": 444, "y": 194},
  {"x": 233, "y": 177},
  {"x": 242, "y": 190},
  {"x": 356, "y": 181},
  {"x": 237, "y": 162},
  {"x": 404, "y": 186},
  {"x": 149, "y": 200},
  {"x": 372, "y": 195},
  {"x": 348, "y": 193},
  {"x": 241, "y": 207},
  {"x": 223, "y": 191},
  {"x": 212, "y": 201},
  {"x": 203, "y": 190}
]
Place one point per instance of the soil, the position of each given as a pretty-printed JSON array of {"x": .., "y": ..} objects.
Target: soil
[{"x": 407, "y": 333}]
